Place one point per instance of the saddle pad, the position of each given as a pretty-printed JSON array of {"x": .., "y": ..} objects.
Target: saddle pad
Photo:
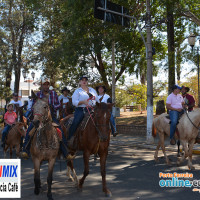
[{"x": 85, "y": 121}]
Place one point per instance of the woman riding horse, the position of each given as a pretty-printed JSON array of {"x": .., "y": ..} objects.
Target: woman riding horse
[{"x": 82, "y": 98}]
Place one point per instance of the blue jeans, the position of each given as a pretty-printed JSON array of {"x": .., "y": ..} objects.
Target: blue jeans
[
  {"x": 78, "y": 117},
  {"x": 174, "y": 116},
  {"x": 113, "y": 125},
  {"x": 5, "y": 132}
]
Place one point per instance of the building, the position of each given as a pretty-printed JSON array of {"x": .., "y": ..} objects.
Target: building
[{"x": 24, "y": 91}]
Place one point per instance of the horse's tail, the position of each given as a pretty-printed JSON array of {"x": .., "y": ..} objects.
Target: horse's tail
[{"x": 153, "y": 130}]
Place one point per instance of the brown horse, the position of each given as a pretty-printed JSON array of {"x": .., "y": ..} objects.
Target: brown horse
[
  {"x": 94, "y": 139},
  {"x": 13, "y": 138},
  {"x": 45, "y": 143},
  {"x": 20, "y": 116},
  {"x": 67, "y": 110}
]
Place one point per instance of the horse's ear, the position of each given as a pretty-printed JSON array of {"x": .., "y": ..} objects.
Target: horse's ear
[{"x": 33, "y": 95}]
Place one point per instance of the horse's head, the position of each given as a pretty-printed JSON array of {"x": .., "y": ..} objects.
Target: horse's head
[
  {"x": 102, "y": 117},
  {"x": 20, "y": 127},
  {"x": 41, "y": 113}
]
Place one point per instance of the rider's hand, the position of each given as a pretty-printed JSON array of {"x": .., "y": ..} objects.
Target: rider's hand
[
  {"x": 86, "y": 102},
  {"x": 179, "y": 109}
]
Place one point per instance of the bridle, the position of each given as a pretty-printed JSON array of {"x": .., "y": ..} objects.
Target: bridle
[{"x": 102, "y": 137}]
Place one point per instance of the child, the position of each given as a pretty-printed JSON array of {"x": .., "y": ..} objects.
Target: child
[{"x": 9, "y": 119}]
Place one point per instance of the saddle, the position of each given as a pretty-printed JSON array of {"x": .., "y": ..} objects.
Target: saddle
[{"x": 73, "y": 143}]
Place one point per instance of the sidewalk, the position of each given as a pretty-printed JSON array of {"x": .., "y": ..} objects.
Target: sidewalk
[{"x": 140, "y": 141}]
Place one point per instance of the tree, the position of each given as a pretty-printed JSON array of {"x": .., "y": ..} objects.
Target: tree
[{"x": 17, "y": 23}]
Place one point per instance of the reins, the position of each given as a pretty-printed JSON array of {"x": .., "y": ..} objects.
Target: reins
[{"x": 191, "y": 120}]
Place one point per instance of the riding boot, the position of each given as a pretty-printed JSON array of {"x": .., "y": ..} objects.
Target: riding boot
[{"x": 27, "y": 143}]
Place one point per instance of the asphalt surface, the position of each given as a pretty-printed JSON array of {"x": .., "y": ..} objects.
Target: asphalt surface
[{"x": 131, "y": 174}]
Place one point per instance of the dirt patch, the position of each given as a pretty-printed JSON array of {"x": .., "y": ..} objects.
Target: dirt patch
[{"x": 132, "y": 118}]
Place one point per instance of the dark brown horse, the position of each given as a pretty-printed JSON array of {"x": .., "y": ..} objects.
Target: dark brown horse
[
  {"x": 94, "y": 139},
  {"x": 20, "y": 116},
  {"x": 67, "y": 110},
  {"x": 45, "y": 143},
  {"x": 13, "y": 138}
]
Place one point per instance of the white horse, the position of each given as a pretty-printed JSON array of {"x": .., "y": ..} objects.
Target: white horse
[{"x": 188, "y": 130}]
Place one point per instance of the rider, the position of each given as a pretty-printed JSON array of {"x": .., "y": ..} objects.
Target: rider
[
  {"x": 54, "y": 105},
  {"x": 84, "y": 98},
  {"x": 174, "y": 104},
  {"x": 64, "y": 96},
  {"x": 188, "y": 98},
  {"x": 10, "y": 119},
  {"x": 105, "y": 98},
  {"x": 29, "y": 108},
  {"x": 16, "y": 101}
]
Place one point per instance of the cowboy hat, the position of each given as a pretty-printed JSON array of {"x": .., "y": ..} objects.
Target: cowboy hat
[
  {"x": 103, "y": 86},
  {"x": 45, "y": 80},
  {"x": 10, "y": 104},
  {"x": 65, "y": 89}
]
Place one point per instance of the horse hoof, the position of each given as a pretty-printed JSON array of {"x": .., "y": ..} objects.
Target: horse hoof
[
  {"x": 50, "y": 197},
  {"x": 108, "y": 194},
  {"x": 37, "y": 191},
  {"x": 191, "y": 167}
]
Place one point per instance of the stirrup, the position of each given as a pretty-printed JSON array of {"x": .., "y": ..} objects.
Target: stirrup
[
  {"x": 24, "y": 155},
  {"x": 70, "y": 157}
]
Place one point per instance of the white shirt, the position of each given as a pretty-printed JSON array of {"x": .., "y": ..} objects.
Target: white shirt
[
  {"x": 105, "y": 98},
  {"x": 18, "y": 103},
  {"x": 30, "y": 103},
  {"x": 81, "y": 95},
  {"x": 65, "y": 99}
]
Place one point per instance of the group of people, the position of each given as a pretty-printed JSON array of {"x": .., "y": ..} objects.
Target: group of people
[
  {"x": 177, "y": 104},
  {"x": 84, "y": 99}
]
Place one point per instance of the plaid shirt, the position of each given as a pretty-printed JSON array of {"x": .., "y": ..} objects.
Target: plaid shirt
[{"x": 53, "y": 99}]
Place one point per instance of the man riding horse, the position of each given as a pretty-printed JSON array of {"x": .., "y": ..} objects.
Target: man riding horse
[{"x": 52, "y": 98}]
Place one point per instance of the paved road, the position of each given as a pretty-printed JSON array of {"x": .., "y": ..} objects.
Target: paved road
[{"x": 131, "y": 174}]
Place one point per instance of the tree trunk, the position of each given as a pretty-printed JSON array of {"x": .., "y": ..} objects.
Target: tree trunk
[
  {"x": 178, "y": 64},
  {"x": 170, "y": 39}
]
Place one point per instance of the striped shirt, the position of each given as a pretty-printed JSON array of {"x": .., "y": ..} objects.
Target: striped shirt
[{"x": 53, "y": 99}]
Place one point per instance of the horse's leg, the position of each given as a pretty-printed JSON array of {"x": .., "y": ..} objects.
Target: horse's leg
[
  {"x": 162, "y": 144},
  {"x": 49, "y": 178},
  {"x": 156, "y": 152},
  {"x": 70, "y": 167},
  {"x": 103, "y": 157},
  {"x": 5, "y": 150},
  {"x": 191, "y": 144},
  {"x": 11, "y": 147},
  {"x": 185, "y": 153},
  {"x": 18, "y": 150},
  {"x": 178, "y": 151},
  {"x": 37, "y": 175},
  {"x": 86, "y": 156}
]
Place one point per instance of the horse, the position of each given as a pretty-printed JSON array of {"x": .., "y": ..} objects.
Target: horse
[
  {"x": 20, "y": 115},
  {"x": 187, "y": 132},
  {"x": 13, "y": 138},
  {"x": 67, "y": 110},
  {"x": 44, "y": 144},
  {"x": 94, "y": 139}
]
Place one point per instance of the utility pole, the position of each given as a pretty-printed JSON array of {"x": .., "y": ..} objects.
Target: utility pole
[
  {"x": 113, "y": 71},
  {"x": 149, "y": 75}
]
